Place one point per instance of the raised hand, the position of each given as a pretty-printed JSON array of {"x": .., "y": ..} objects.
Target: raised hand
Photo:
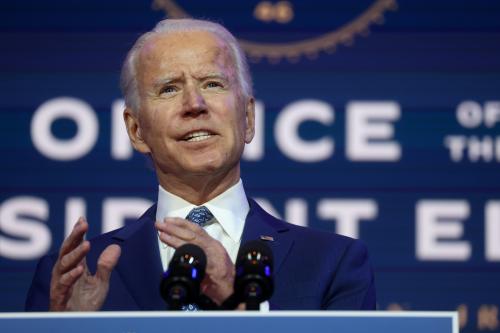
[
  {"x": 72, "y": 287},
  {"x": 219, "y": 275}
]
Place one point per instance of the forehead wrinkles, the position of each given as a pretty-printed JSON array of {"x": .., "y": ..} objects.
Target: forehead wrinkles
[
  {"x": 196, "y": 52},
  {"x": 223, "y": 58}
]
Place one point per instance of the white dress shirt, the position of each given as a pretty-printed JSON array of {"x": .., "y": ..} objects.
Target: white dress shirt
[{"x": 229, "y": 208}]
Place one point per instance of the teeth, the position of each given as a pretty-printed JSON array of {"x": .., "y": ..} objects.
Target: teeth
[{"x": 197, "y": 136}]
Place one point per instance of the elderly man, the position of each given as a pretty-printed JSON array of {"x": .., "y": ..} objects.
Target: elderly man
[{"x": 189, "y": 106}]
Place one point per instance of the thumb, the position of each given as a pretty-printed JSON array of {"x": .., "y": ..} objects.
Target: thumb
[{"x": 107, "y": 261}]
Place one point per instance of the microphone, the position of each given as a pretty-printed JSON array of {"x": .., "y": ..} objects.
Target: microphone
[
  {"x": 180, "y": 284},
  {"x": 253, "y": 283}
]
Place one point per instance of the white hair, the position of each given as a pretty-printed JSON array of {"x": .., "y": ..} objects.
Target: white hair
[{"x": 128, "y": 79}]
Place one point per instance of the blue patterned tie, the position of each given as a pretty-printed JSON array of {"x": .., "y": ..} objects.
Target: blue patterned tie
[{"x": 200, "y": 215}]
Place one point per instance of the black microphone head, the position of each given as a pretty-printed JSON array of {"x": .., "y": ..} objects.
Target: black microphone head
[
  {"x": 184, "y": 253},
  {"x": 258, "y": 250},
  {"x": 181, "y": 282},
  {"x": 253, "y": 282}
]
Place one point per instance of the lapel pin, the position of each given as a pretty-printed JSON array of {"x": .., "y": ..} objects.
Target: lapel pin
[{"x": 267, "y": 238}]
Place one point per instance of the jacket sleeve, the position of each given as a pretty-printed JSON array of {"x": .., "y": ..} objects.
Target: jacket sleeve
[
  {"x": 39, "y": 292},
  {"x": 353, "y": 285}
]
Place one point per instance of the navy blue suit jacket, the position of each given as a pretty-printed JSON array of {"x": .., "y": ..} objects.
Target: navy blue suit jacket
[{"x": 313, "y": 269}]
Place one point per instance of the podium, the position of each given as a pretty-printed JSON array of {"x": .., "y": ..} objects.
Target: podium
[{"x": 231, "y": 322}]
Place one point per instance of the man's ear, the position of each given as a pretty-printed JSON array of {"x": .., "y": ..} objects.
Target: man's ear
[
  {"x": 134, "y": 131},
  {"x": 250, "y": 119}
]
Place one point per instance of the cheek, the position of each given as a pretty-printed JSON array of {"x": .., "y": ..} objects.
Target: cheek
[
  {"x": 235, "y": 113},
  {"x": 153, "y": 129},
  {"x": 155, "y": 119}
]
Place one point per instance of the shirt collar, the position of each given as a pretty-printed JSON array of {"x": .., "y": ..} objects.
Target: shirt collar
[{"x": 230, "y": 208}]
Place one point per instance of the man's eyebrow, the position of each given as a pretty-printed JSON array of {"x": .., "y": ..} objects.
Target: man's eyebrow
[
  {"x": 166, "y": 80},
  {"x": 214, "y": 75},
  {"x": 176, "y": 78}
]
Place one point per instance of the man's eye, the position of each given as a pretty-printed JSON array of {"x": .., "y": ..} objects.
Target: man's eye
[
  {"x": 168, "y": 90},
  {"x": 214, "y": 84}
]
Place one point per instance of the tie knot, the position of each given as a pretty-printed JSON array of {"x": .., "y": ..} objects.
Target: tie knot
[{"x": 200, "y": 215}]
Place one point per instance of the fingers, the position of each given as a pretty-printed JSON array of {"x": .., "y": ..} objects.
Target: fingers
[
  {"x": 178, "y": 225},
  {"x": 61, "y": 291},
  {"x": 70, "y": 266},
  {"x": 67, "y": 271},
  {"x": 69, "y": 278},
  {"x": 74, "y": 248},
  {"x": 72, "y": 259},
  {"x": 218, "y": 282},
  {"x": 77, "y": 289},
  {"x": 75, "y": 237},
  {"x": 176, "y": 232},
  {"x": 107, "y": 261}
]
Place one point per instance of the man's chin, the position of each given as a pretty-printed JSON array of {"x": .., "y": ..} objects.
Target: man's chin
[
  {"x": 205, "y": 169},
  {"x": 211, "y": 169}
]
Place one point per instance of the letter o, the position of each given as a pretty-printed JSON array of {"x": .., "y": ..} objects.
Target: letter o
[
  {"x": 64, "y": 149},
  {"x": 469, "y": 114}
]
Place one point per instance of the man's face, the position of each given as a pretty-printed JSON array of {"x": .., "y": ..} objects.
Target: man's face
[{"x": 192, "y": 118}]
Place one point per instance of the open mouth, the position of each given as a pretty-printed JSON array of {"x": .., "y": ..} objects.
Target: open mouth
[{"x": 197, "y": 136}]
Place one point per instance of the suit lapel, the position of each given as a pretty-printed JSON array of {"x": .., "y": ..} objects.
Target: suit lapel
[
  {"x": 140, "y": 264},
  {"x": 260, "y": 223}
]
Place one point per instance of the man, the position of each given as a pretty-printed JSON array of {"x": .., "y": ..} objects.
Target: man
[{"x": 189, "y": 106}]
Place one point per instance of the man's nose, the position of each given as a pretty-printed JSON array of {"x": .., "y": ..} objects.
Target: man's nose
[{"x": 194, "y": 102}]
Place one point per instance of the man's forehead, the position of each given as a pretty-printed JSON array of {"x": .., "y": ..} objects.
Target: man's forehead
[
  {"x": 171, "y": 54},
  {"x": 187, "y": 45}
]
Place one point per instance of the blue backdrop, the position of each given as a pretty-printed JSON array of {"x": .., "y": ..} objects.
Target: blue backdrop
[{"x": 377, "y": 119}]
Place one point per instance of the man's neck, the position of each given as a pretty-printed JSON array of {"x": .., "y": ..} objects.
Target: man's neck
[{"x": 199, "y": 189}]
